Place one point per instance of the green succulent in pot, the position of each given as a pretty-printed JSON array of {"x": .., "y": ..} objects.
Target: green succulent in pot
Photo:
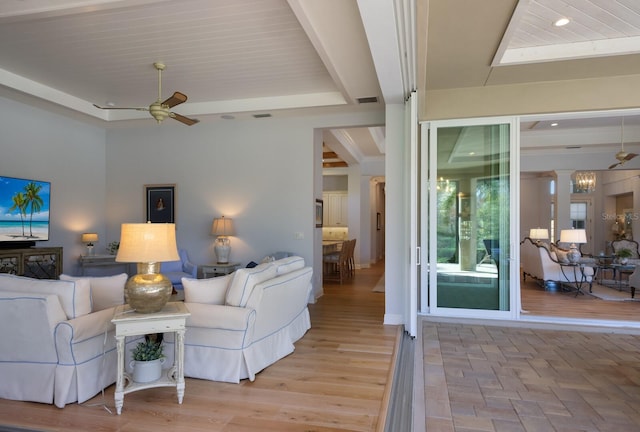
[{"x": 148, "y": 350}]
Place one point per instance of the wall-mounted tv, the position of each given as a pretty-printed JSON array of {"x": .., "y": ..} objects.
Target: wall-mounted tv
[{"x": 24, "y": 211}]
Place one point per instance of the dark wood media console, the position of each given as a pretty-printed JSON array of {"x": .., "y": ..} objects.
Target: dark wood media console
[{"x": 38, "y": 263}]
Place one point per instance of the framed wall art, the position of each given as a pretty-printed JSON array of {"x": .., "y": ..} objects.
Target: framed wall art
[
  {"x": 319, "y": 210},
  {"x": 160, "y": 203}
]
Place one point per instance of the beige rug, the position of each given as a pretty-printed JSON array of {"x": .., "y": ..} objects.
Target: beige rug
[
  {"x": 611, "y": 293},
  {"x": 380, "y": 285}
]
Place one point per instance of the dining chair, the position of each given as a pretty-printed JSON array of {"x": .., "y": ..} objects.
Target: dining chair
[{"x": 336, "y": 264}]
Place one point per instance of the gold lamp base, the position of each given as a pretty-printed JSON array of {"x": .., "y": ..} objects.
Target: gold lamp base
[{"x": 148, "y": 291}]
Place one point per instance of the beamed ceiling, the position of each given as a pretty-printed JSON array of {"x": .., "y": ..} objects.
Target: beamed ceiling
[{"x": 245, "y": 58}]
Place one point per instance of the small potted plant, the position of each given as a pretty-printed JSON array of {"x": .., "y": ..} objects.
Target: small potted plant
[
  {"x": 147, "y": 360},
  {"x": 113, "y": 247},
  {"x": 624, "y": 255}
]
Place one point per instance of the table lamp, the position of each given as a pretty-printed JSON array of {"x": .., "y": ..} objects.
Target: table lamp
[
  {"x": 222, "y": 227},
  {"x": 573, "y": 237},
  {"x": 538, "y": 234},
  {"x": 148, "y": 245},
  {"x": 89, "y": 239}
]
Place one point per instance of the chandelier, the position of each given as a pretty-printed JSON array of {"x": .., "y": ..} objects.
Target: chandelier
[{"x": 586, "y": 181}]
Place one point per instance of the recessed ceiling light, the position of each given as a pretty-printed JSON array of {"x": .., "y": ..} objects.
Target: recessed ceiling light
[
  {"x": 110, "y": 104},
  {"x": 562, "y": 22},
  {"x": 554, "y": 124}
]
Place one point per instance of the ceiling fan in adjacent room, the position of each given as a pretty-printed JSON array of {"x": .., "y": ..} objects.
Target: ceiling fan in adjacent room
[
  {"x": 622, "y": 156},
  {"x": 160, "y": 109}
]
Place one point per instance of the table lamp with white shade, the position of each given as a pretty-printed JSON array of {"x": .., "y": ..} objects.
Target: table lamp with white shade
[
  {"x": 89, "y": 239},
  {"x": 538, "y": 234},
  {"x": 222, "y": 228},
  {"x": 148, "y": 245},
  {"x": 573, "y": 237}
]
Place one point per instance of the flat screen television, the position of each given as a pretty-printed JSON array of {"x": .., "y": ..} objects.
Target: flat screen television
[{"x": 24, "y": 211}]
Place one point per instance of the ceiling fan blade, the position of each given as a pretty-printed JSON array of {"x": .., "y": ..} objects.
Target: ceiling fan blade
[
  {"x": 122, "y": 108},
  {"x": 186, "y": 120},
  {"x": 176, "y": 99},
  {"x": 630, "y": 156},
  {"x": 614, "y": 165}
]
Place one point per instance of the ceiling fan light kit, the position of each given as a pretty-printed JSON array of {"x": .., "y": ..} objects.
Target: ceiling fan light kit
[{"x": 160, "y": 109}]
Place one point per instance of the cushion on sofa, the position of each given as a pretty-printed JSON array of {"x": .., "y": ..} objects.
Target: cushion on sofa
[
  {"x": 244, "y": 280},
  {"x": 208, "y": 291},
  {"x": 106, "y": 291},
  {"x": 289, "y": 264},
  {"x": 562, "y": 256},
  {"x": 75, "y": 296}
]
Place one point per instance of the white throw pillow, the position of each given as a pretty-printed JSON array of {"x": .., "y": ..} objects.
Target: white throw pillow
[
  {"x": 244, "y": 280},
  {"x": 75, "y": 296},
  {"x": 106, "y": 291},
  {"x": 289, "y": 264},
  {"x": 207, "y": 291}
]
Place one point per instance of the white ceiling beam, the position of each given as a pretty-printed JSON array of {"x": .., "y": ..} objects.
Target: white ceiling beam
[
  {"x": 378, "y": 135},
  {"x": 11, "y": 11},
  {"x": 567, "y": 51},
  {"x": 382, "y": 26},
  {"x": 334, "y": 29}
]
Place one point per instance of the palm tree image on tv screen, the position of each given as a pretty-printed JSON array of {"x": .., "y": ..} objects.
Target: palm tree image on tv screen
[{"x": 24, "y": 210}]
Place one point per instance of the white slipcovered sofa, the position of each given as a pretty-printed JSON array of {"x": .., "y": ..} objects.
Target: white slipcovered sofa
[
  {"x": 243, "y": 322},
  {"x": 540, "y": 263},
  {"x": 57, "y": 342}
]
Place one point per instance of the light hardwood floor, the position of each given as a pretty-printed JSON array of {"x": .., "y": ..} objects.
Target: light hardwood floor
[
  {"x": 337, "y": 379},
  {"x": 537, "y": 301}
]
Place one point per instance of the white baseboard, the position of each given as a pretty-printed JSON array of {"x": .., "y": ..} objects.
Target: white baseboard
[{"x": 393, "y": 319}]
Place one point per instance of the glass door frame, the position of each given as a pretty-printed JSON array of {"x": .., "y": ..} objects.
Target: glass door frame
[{"x": 428, "y": 165}]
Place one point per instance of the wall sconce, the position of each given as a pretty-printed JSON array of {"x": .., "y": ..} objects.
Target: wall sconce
[
  {"x": 89, "y": 239},
  {"x": 222, "y": 228}
]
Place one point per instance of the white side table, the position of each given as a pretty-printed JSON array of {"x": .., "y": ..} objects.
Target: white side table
[
  {"x": 172, "y": 318},
  {"x": 212, "y": 270}
]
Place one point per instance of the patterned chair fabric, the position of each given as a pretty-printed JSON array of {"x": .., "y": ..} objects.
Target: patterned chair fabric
[{"x": 632, "y": 245}]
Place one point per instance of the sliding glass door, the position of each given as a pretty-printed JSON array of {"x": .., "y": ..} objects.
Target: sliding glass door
[{"x": 470, "y": 186}]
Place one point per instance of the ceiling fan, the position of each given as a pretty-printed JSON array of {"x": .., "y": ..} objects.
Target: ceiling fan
[
  {"x": 160, "y": 109},
  {"x": 622, "y": 156}
]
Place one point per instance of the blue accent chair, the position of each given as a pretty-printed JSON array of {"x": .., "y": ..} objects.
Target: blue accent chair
[{"x": 176, "y": 270}]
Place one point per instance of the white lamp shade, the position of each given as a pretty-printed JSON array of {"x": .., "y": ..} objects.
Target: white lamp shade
[
  {"x": 574, "y": 236},
  {"x": 222, "y": 227},
  {"x": 539, "y": 234},
  {"x": 148, "y": 243},
  {"x": 89, "y": 238}
]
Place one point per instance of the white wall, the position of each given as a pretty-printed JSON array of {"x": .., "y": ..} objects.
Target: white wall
[
  {"x": 70, "y": 154},
  {"x": 258, "y": 172},
  {"x": 397, "y": 264}
]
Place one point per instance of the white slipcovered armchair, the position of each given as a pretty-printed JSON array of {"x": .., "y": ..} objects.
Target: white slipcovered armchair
[{"x": 57, "y": 344}]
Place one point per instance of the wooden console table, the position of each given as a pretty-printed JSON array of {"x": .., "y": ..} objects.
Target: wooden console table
[
  {"x": 38, "y": 263},
  {"x": 87, "y": 261}
]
